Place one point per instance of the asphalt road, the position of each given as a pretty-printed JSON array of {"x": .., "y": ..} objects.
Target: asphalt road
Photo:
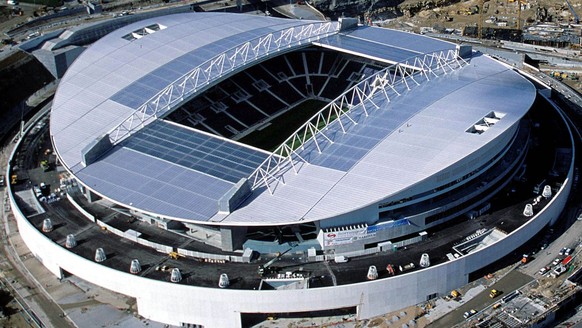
[
  {"x": 569, "y": 238},
  {"x": 511, "y": 281}
]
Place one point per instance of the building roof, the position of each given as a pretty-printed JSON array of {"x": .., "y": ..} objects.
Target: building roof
[{"x": 177, "y": 172}]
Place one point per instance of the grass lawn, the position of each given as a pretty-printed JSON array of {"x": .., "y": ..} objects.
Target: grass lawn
[{"x": 283, "y": 126}]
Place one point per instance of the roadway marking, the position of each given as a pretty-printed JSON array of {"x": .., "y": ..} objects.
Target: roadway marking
[{"x": 333, "y": 279}]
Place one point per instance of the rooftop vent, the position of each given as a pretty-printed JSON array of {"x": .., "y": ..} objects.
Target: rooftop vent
[
  {"x": 138, "y": 34},
  {"x": 372, "y": 272},
  {"x": 223, "y": 282},
  {"x": 528, "y": 211},
  {"x": 424, "y": 260},
  {"x": 47, "y": 225},
  {"x": 486, "y": 122},
  {"x": 175, "y": 276},
  {"x": 547, "y": 193},
  {"x": 100, "y": 255},
  {"x": 135, "y": 267},
  {"x": 70, "y": 242}
]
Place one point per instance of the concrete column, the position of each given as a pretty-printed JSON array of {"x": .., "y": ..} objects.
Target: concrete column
[{"x": 232, "y": 238}]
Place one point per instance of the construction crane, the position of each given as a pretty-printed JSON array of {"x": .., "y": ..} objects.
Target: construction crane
[
  {"x": 518, "y": 2},
  {"x": 576, "y": 18},
  {"x": 480, "y": 22},
  {"x": 518, "y": 14},
  {"x": 267, "y": 269}
]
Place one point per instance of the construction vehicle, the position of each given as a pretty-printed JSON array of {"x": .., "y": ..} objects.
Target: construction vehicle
[
  {"x": 267, "y": 268},
  {"x": 493, "y": 293},
  {"x": 45, "y": 165},
  {"x": 174, "y": 255},
  {"x": 406, "y": 267},
  {"x": 14, "y": 179},
  {"x": 455, "y": 294},
  {"x": 390, "y": 269},
  {"x": 576, "y": 18}
]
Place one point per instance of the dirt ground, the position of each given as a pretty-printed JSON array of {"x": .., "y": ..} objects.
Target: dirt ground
[{"x": 496, "y": 13}]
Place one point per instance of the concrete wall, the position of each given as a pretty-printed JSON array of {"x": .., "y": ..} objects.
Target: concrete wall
[{"x": 214, "y": 307}]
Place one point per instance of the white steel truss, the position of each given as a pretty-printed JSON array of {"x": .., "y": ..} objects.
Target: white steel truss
[
  {"x": 213, "y": 69},
  {"x": 345, "y": 110}
]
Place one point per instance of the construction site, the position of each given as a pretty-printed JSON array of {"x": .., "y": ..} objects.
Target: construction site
[{"x": 551, "y": 23}]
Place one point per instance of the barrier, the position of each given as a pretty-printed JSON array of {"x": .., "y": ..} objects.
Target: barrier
[{"x": 80, "y": 209}]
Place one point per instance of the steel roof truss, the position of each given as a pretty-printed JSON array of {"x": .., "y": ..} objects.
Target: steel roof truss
[
  {"x": 214, "y": 68},
  {"x": 352, "y": 100}
]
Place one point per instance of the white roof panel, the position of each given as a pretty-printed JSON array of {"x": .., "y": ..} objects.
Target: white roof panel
[{"x": 402, "y": 144}]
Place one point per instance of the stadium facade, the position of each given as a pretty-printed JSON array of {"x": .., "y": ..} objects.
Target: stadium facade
[{"x": 416, "y": 133}]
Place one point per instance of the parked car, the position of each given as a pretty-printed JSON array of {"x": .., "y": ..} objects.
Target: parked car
[
  {"x": 568, "y": 251},
  {"x": 468, "y": 314},
  {"x": 544, "y": 270},
  {"x": 562, "y": 251},
  {"x": 557, "y": 261},
  {"x": 2, "y": 181}
]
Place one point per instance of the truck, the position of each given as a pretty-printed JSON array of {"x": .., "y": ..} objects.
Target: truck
[
  {"x": 525, "y": 259},
  {"x": 558, "y": 271},
  {"x": 567, "y": 260}
]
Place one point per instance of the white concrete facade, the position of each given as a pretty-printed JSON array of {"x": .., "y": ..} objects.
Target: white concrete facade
[{"x": 213, "y": 307}]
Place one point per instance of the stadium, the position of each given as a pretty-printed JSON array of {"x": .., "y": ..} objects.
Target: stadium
[{"x": 234, "y": 141}]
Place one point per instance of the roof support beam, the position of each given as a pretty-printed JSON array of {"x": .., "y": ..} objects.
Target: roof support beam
[
  {"x": 213, "y": 69},
  {"x": 391, "y": 81}
]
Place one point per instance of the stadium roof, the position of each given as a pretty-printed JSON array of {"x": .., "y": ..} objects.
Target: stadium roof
[{"x": 177, "y": 172}]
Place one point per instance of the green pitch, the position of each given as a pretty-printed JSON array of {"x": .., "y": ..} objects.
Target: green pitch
[{"x": 281, "y": 127}]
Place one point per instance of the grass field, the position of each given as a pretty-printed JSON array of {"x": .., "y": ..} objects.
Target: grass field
[{"x": 283, "y": 126}]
